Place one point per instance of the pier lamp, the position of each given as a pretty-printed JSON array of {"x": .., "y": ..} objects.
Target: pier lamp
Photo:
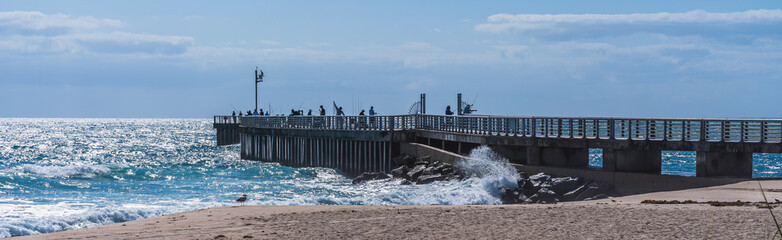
[{"x": 258, "y": 78}]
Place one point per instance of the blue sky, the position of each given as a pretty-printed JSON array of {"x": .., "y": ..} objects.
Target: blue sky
[{"x": 552, "y": 58}]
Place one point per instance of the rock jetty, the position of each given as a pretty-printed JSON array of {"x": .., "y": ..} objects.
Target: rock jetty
[{"x": 538, "y": 188}]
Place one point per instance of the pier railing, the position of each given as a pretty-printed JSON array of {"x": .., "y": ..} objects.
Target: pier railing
[
  {"x": 367, "y": 123},
  {"x": 227, "y": 119},
  {"x": 653, "y": 129}
]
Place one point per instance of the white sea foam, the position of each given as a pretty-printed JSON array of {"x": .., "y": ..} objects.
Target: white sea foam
[
  {"x": 27, "y": 226},
  {"x": 63, "y": 171}
]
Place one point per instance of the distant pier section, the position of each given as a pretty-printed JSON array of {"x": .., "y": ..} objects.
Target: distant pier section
[
  {"x": 227, "y": 129},
  {"x": 356, "y": 144}
]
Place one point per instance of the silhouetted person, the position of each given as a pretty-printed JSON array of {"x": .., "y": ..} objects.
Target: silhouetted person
[
  {"x": 340, "y": 112},
  {"x": 293, "y": 113},
  {"x": 448, "y": 110},
  {"x": 255, "y": 112},
  {"x": 249, "y": 113},
  {"x": 322, "y": 111},
  {"x": 372, "y": 111},
  {"x": 233, "y": 113},
  {"x": 468, "y": 109},
  {"x": 361, "y": 113},
  {"x": 240, "y": 113},
  {"x": 260, "y": 112},
  {"x": 309, "y": 113}
]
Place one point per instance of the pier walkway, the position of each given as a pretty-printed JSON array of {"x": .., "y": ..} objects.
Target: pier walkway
[{"x": 356, "y": 144}]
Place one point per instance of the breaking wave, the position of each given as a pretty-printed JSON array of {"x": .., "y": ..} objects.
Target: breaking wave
[
  {"x": 493, "y": 171},
  {"x": 62, "y": 171}
]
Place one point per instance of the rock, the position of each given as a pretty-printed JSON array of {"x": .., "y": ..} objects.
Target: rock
[
  {"x": 527, "y": 188},
  {"x": 596, "y": 197},
  {"x": 588, "y": 193},
  {"x": 405, "y": 182},
  {"x": 546, "y": 194},
  {"x": 564, "y": 184},
  {"x": 523, "y": 175},
  {"x": 400, "y": 172},
  {"x": 422, "y": 161},
  {"x": 416, "y": 172},
  {"x": 370, "y": 176},
  {"x": 446, "y": 170},
  {"x": 436, "y": 167},
  {"x": 425, "y": 179},
  {"x": 509, "y": 196},
  {"x": 572, "y": 195},
  {"x": 540, "y": 180},
  {"x": 405, "y": 159},
  {"x": 523, "y": 199}
]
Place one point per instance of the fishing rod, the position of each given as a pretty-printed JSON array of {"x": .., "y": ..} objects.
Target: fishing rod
[{"x": 232, "y": 106}]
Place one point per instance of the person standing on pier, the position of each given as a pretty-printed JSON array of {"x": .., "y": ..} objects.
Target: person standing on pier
[
  {"x": 260, "y": 112},
  {"x": 372, "y": 113},
  {"x": 255, "y": 112},
  {"x": 322, "y": 111},
  {"x": 340, "y": 112},
  {"x": 448, "y": 111},
  {"x": 309, "y": 113},
  {"x": 468, "y": 109}
]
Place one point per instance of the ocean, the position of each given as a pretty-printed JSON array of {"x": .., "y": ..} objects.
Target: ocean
[{"x": 61, "y": 174}]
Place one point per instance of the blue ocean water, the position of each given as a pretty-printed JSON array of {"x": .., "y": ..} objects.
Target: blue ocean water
[{"x": 60, "y": 174}]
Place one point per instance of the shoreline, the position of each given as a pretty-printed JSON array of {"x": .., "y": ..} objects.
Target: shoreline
[{"x": 621, "y": 217}]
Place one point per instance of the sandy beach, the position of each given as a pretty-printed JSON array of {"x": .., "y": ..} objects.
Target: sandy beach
[{"x": 617, "y": 218}]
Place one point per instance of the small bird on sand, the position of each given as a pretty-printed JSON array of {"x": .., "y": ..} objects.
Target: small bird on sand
[{"x": 242, "y": 199}]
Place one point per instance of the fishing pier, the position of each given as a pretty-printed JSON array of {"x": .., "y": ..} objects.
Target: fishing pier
[{"x": 356, "y": 144}]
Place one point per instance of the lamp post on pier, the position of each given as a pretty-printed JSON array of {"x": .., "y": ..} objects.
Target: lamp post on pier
[{"x": 258, "y": 78}]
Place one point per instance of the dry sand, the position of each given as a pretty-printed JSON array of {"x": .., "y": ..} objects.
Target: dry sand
[{"x": 618, "y": 218}]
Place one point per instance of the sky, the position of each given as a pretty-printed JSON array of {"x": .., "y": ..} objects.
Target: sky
[{"x": 196, "y": 59}]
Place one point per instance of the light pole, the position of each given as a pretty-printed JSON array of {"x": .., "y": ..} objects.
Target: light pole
[{"x": 258, "y": 78}]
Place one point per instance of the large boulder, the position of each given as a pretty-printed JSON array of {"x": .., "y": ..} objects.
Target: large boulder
[
  {"x": 527, "y": 188},
  {"x": 416, "y": 172},
  {"x": 545, "y": 195},
  {"x": 540, "y": 180},
  {"x": 564, "y": 185},
  {"x": 446, "y": 170},
  {"x": 422, "y": 161},
  {"x": 400, "y": 172},
  {"x": 573, "y": 194},
  {"x": 425, "y": 179},
  {"x": 367, "y": 176},
  {"x": 509, "y": 196},
  {"x": 405, "y": 159}
]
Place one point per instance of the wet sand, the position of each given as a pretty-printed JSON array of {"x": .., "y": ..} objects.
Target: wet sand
[{"x": 617, "y": 218}]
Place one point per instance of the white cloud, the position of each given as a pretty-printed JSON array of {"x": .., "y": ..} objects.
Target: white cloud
[
  {"x": 39, "y": 33},
  {"x": 98, "y": 43},
  {"x": 268, "y": 42},
  {"x": 37, "y": 23},
  {"x": 697, "y": 22}
]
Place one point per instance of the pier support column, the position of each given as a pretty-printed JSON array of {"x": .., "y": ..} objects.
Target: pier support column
[
  {"x": 723, "y": 164},
  {"x": 514, "y": 154},
  {"x": 558, "y": 157},
  {"x": 533, "y": 156},
  {"x": 645, "y": 161}
]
